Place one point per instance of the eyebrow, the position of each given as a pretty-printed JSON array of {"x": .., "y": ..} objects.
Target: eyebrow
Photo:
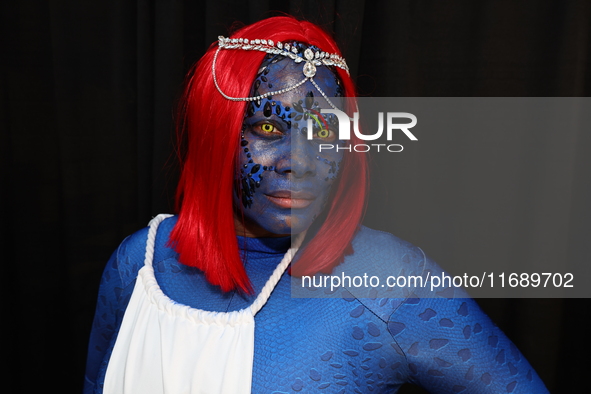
[
  {"x": 285, "y": 120},
  {"x": 316, "y": 115}
]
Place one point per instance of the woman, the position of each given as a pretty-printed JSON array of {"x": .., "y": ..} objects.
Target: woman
[{"x": 201, "y": 302}]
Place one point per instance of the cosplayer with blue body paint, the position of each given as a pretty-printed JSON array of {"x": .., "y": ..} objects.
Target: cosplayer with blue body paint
[{"x": 179, "y": 301}]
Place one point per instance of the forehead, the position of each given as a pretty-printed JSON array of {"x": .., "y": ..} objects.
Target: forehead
[{"x": 278, "y": 72}]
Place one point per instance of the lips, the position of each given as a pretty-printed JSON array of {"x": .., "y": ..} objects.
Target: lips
[{"x": 291, "y": 200}]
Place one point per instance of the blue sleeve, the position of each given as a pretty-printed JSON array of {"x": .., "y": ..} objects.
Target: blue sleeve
[
  {"x": 451, "y": 346},
  {"x": 448, "y": 344},
  {"x": 115, "y": 291}
]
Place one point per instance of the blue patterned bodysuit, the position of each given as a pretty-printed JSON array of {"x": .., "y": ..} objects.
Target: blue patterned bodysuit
[{"x": 353, "y": 343}]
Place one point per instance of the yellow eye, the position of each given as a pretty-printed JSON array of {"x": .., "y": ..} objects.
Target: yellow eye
[
  {"x": 323, "y": 133},
  {"x": 267, "y": 127}
]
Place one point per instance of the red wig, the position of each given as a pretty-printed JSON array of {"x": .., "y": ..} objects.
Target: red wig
[{"x": 209, "y": 129}]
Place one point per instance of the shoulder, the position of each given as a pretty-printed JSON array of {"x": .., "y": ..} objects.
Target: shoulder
[
  {"x": 402, "y": 274},
  {"x": 129, "y": 257},
  {"x": 381, "y": 254},
  {"x": 382, "y": 244},
  {"x": 386, "y": 272},
  {"x": 378, "y": 256},
  {"x": 386, "y": 254}
]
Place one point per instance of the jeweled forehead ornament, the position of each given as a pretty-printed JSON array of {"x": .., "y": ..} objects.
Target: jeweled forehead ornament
[{"x": 310, "y": 58}]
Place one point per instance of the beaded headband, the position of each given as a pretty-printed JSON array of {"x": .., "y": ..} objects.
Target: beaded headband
[{"x": 310, "y": 57}]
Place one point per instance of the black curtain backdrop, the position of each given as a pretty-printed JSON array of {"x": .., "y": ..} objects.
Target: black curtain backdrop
[{"x": 87, "y": 94}]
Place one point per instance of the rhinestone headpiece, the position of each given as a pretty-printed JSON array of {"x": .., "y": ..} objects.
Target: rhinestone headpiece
[{"x": 310, "y": 58}]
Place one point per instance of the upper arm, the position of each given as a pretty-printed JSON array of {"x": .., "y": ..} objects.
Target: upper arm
[
  {"x": 450, "y": 344},
  {"x": 115, "y": 291},
  {"x": 453, "y": 347}
]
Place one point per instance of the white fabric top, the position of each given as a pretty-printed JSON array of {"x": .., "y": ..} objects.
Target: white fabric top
[{"x": 168, "y": 348}]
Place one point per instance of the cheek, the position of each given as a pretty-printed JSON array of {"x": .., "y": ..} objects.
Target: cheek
[
  {"x": 265, "y": 153},
  {"x": 254, "y": 161},
  {"x": 332, "y": 166}
]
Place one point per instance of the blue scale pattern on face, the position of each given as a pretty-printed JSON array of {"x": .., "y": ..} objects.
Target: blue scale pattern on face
[
  {"x": 251, "y": 174},
  {"x": 296, "y": 116},
  {"x": 264, "y": 156}
]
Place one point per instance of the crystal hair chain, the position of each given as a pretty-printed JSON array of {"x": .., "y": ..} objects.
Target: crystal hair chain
[{"x": 311, "y": 59}]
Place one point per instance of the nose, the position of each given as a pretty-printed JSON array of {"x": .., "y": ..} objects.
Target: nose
[{"x": 300, "y": 161}]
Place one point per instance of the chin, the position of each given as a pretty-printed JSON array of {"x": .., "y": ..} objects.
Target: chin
[
  {"x": 300, "y": 223},
  {"x": 291, "y": 225}
]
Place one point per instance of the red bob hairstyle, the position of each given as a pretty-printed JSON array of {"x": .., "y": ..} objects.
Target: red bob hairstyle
[{"x": 209, "y": 129}]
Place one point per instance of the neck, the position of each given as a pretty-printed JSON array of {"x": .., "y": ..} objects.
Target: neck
[{"x": 251, "y": 230}]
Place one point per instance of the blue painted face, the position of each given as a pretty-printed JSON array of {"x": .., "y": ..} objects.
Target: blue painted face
[{"x": 285, "y": 181}]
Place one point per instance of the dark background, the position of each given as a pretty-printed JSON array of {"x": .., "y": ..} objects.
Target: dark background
[{"x": 87, "y": 92}]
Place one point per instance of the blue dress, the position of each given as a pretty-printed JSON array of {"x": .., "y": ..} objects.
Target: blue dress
[{"x": 355, "y": 341}]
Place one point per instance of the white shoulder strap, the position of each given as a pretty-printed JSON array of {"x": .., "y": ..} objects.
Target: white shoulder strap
[
  {"x": 274, "y": 278},
  {"x": 154, "y": 223},
  {"x": 271, "y": 282}
]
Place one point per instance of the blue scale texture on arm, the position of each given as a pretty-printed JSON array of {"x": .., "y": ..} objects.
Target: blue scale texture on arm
[
  {"x": 115, "y": 290},
  {"x": 452, "y": 346}
]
